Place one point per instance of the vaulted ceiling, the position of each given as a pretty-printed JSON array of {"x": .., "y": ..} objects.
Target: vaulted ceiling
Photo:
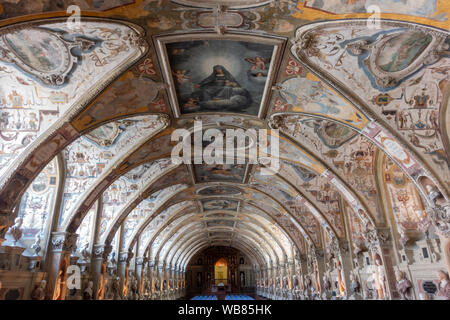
[{"x": 88, "y": 109}]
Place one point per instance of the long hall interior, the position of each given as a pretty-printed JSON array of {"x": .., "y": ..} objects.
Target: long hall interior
[{"x": 224, "y": 150}]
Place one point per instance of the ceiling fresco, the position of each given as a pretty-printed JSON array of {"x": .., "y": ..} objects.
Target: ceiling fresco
[
  {"x": 42, "y": 91},
  {"x": 220, "y": 172},
  {"x": 88, "y": 113},
  {"x": 396, "y": 86},
  {"x": 205, "y": 81}
]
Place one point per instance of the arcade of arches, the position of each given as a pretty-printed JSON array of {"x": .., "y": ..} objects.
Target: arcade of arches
[{"x": 93, "y": 207}]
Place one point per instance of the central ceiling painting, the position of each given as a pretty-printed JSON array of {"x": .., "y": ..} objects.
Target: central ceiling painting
[
  {"x": 220, "y": 75},
  {"x": 220, "y": 172},
  {"x": 216, "y": 75}
]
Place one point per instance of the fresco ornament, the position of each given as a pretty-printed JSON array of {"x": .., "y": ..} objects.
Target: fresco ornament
[
  {"x": 37, "y": 201},
  {"x": 349, "y": 154},
  {"x": 398, "y": 72},
  {"x": 279, "y": 106},
  {"x": 220, "y": 19},
  {"x": 124, "y": 95},
  {"x": 147, "y": 67},
  {"x": 42, "y": 53},
  {"x": 90, "y": 157},
  {"x": 105, "y": 135},
  {"x": 27, "y": 147},
  {"x": 405, "y": 200},
  {"x": 293, "y": 68},
  {"x": 314, "y": 97},
  {"x": 393, "y": 56},
  {"x": 333, "y": 135},
  {"x": 280, "y": 190},
  {"x": 421, "y": 8}
]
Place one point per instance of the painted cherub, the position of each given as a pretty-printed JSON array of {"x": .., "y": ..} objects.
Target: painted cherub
[
  {"x": 180, "y": 75},
  {"x": 258, "y": 63},
  {"x": 191, "y": 103}
]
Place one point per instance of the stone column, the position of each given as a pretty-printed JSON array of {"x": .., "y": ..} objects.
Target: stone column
[
  {"x": 258, "y": 280},
  {"x": 277, "y": 280},
  {"x": 340, "y": 254},
  {"x": 283, "y": 275},
  {"x": 156, "y": 281},
  {"x": 144, "y": 275},
  {"x": 140, "y": 273},
  {"x": 162, "y": 277},
  {"x": 274, "y": 272},
  {"x": 148, "y": 275},
  {"x": 318, "y": 259},
  {"x": 97, "y": 252},
  {"x": 61, "y": 246},
  {"x": 176, "y": 283},
  {"x": 174, "y": 277},
  {"x": 123, "y": 266},
  {"x": 309, "y": 274},
  {"x": 270, "y": 282},
  {"x": 151, "y": 271},
  {"x": 260, "y": 288},
  {"x": 291, "y": 273},
  {"x": 167, "y": 274},
  {"x": 266, "y": 280},
  {"x": 379, "y": 247},
  {"x": 173, "y": 285},
  {"x": 99, "y": 260},
  {"x": 169, "y": 279},
  {"x": 347, "y": 263},
  {"x": 299, "y": 286},
  {"x": 183, "y": 281}
]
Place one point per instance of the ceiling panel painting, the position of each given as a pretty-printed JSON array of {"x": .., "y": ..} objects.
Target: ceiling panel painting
[
  {"x": 219, "y": 190},
  {"x": 220, "y": 223},
  {"x": 226, "y": 74},
  {"x": 220, "y": 204},
  {"x": 220, "y": 172},
  {"x": 231, "y": 82}
]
